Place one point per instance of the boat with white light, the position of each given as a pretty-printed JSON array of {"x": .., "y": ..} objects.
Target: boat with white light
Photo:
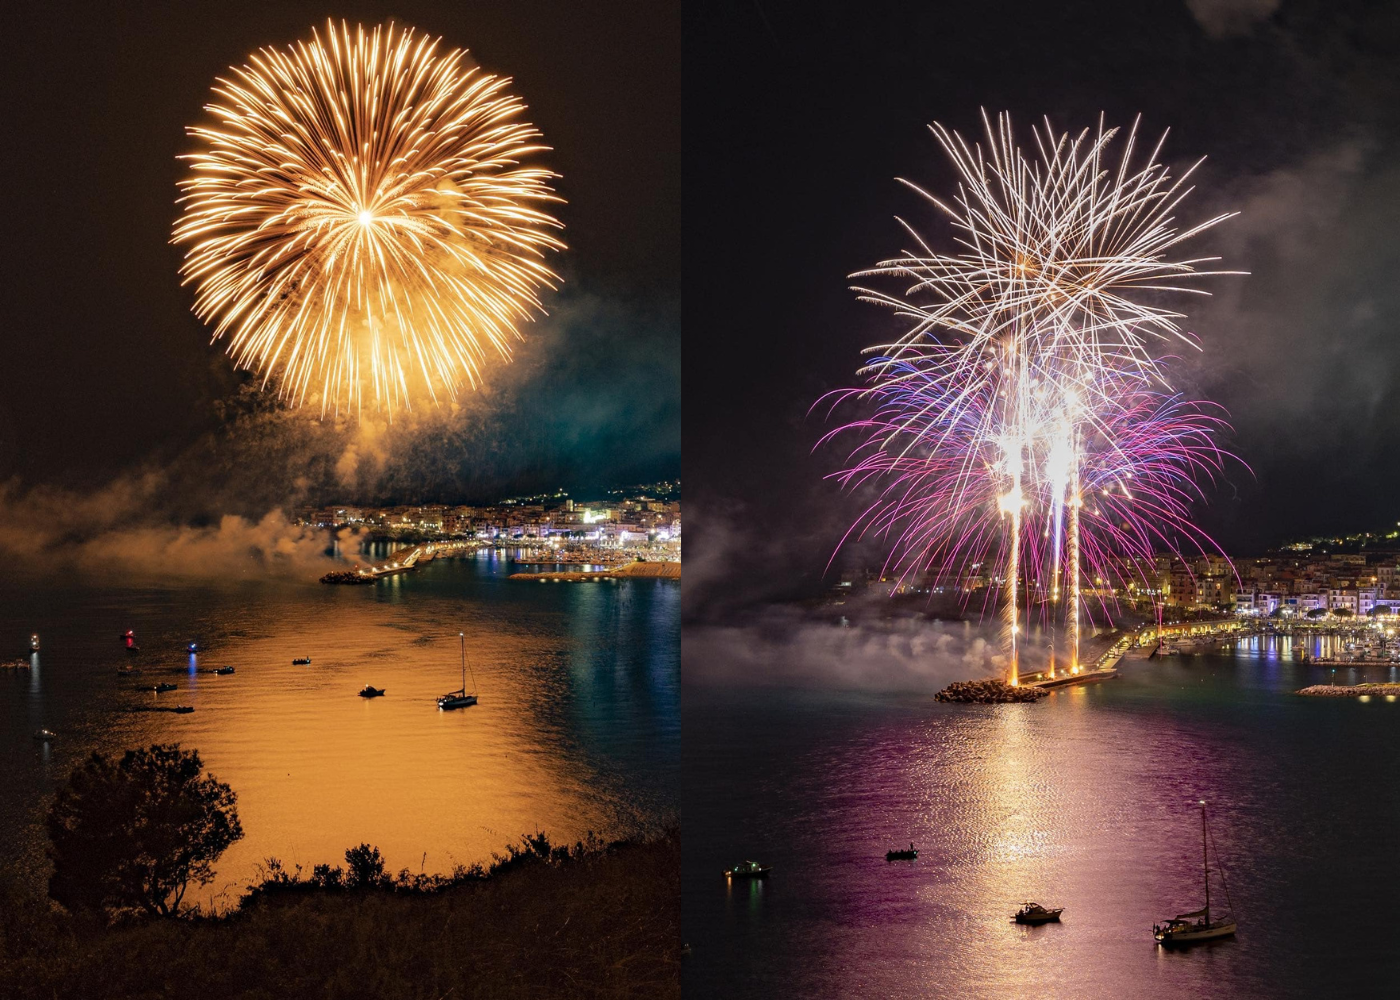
[
  {"x": 461, "y": 698},
  {"x": 1197, "y": 926}
]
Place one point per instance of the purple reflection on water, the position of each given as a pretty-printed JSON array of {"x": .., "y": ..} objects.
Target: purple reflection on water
[{"x": 1086, "y": 801}]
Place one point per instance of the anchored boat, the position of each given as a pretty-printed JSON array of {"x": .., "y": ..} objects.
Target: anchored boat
[
  {"x": 1034, "y": 914},
  {"x": 748, "y": 869},
  {"x": 902, "y": 855},
  {"x": 460, "y": 699},
  {"x": 1196, "y": 926}
]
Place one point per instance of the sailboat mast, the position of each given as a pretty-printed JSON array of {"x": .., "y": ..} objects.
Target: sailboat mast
[
  {"x": 1205, "y": 859},
  {"x": 463, "y": 637}
]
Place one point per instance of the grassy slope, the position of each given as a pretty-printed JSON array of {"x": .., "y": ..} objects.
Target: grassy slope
[{"x": 606, "y": 926}]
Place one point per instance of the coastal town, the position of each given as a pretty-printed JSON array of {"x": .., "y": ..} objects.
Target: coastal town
[
  {"x": 640, "y": 522},
  {"x": 1344, "y": 577}
]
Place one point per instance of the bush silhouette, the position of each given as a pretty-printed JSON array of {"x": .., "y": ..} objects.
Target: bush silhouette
[
  {"x": 132, "y": 836},
  {"x": 366, "y": 866}
]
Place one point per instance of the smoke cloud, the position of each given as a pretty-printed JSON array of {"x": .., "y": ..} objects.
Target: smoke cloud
[
  {"x": 785, "y": 645},
  {"x": 591, "y": 402},
  {"x": 113, "y": 532},
  {"x": 1225, "y": 18}
]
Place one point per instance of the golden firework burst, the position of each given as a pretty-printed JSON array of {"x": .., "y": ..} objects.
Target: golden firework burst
[{"x": 362, "y": 218}]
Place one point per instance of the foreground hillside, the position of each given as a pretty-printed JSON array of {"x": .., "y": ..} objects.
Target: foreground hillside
[{"x": 604, "y": 926}]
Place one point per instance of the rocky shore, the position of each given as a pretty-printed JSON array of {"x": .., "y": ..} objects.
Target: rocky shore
[
  {"x": 1349, "y": 690},
  {"x": 347, "y": 576},
  {"x": 987, "y": 692}
]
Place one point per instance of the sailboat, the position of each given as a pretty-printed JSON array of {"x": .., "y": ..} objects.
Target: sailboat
[
  {"x": 1189, "y": 928},
  {"x": 461, "y": 699}
]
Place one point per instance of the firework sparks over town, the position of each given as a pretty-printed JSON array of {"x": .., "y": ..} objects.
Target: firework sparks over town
[
  {"x": 1027, "y": 418},
  {"x": 365, "y": 220}
]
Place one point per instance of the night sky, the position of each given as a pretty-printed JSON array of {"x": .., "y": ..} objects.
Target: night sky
[
  {"x": 107, "y": 372},
  {"x": 798, "y": 117}
]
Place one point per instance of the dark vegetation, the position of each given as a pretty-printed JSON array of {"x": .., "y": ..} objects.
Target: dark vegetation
[
  {"x": 131, "y": 836},
  {"x": 595, "y": 919}
]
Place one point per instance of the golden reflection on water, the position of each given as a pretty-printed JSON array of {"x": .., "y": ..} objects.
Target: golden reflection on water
[{"x": 572, "y": 696}]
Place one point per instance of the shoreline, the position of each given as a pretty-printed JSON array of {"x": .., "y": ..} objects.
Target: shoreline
[{"x": 632, "y": 571}]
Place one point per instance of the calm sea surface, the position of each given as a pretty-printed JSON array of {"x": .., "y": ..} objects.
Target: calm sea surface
[
  {"x": 1086, "y": 800},
  {"x": 578, "y": 726}
]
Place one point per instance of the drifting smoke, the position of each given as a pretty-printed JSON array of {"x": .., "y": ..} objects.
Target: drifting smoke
[
  {"x": 741, "y": 628},
  {"x": 592, "y": 402},
  {"x": 1227, "y": 18},
  {"x": 111, "y": 532},
  {"x": 784, "y": 645}
]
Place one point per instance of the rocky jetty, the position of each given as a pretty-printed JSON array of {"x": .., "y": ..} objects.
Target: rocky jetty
[
  {"x": 987, "y": 692},
  {"x": 347, "y": 576},
  {"x": 1350, "y": 690}
]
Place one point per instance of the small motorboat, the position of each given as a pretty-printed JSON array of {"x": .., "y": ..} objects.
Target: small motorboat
[
  {"x": 748, "y": 869},
  {"x": 34, "y": 643},
  {"x": 44, "y": 735},
  {"x": 370, "y": 691},
  {"x": 1034, "y": 913},
  {"x": 223, "y": 671},
  {"x": 902, "y": 855},
  {"x": 183, "y": 709},
  {"x": 192, "y": 647},
  {"x": 162, "y": 687},
  {"x": 301, "y": 661}
]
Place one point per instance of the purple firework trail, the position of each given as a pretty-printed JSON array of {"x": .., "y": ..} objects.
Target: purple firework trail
[{"x": 1026, "y": 420}]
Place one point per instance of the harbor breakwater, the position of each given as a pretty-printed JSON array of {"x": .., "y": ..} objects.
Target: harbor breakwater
[{"x": 632, "y": 571}]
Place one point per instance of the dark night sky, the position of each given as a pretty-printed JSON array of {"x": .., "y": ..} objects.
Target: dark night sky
[
  {"x": 798, "y": 117},
  {"x": 107, "y": 370}
]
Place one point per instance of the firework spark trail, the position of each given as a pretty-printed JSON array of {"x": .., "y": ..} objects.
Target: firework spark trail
[
  {"x": 361, "y": 219},
  {"x": 1029, "y": 390}
]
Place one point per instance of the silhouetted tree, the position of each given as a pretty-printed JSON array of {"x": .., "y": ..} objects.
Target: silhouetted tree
[
  {"x": 366, "y": 866},
  {"x": 133, "y": 835}
]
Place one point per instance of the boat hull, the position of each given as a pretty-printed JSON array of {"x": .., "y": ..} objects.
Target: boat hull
[
  {"x": 1053, "y": 918},
  {"x": 1195, "y": 935}
]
